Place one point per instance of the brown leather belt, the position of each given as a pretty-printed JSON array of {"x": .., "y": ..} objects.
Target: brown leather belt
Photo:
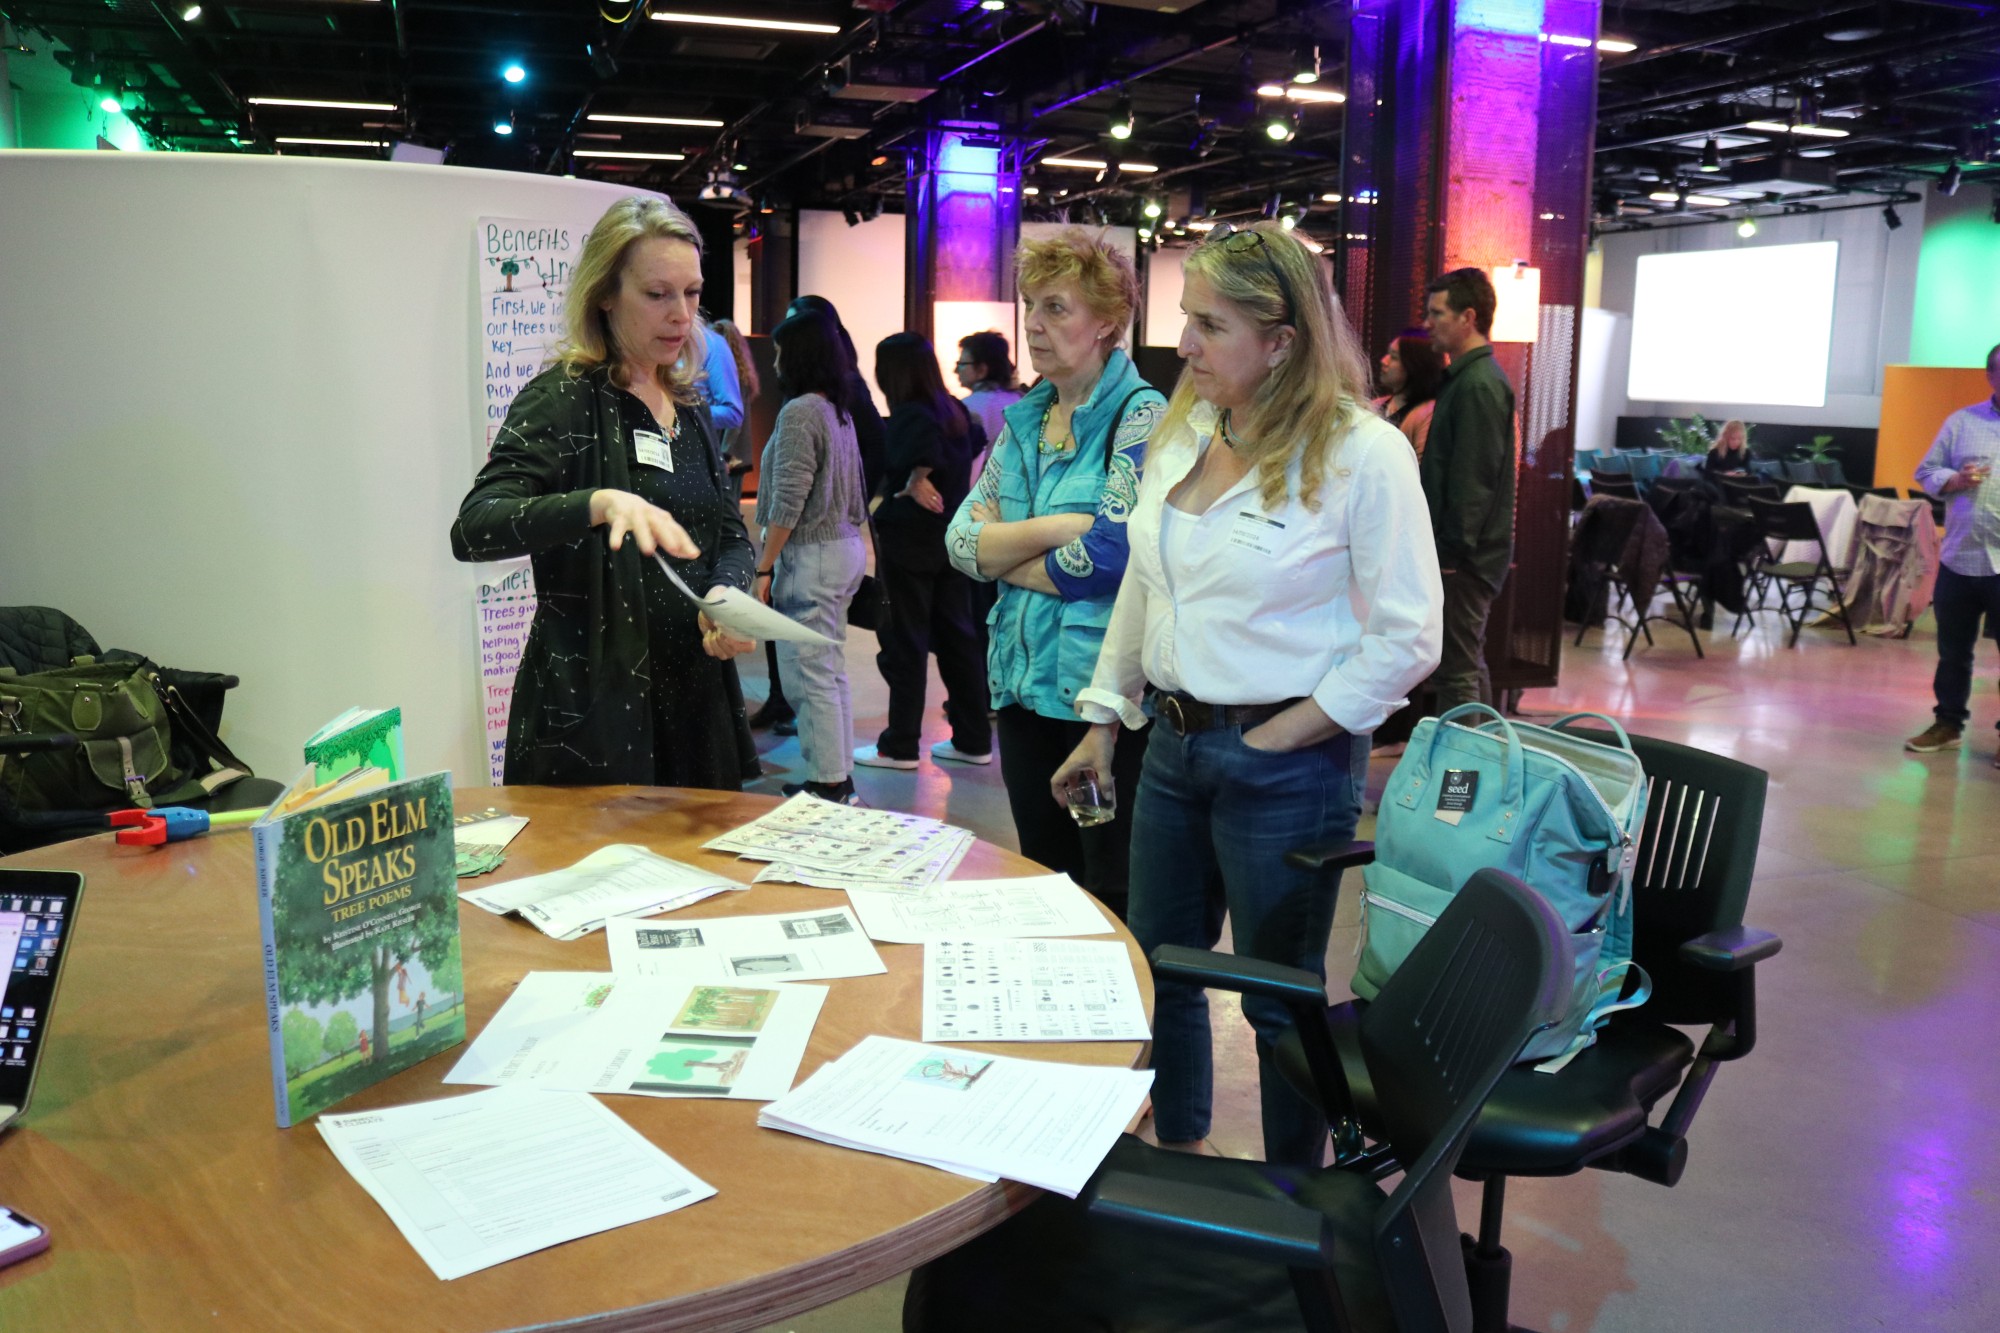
[{"x": 1183, "y": 713}]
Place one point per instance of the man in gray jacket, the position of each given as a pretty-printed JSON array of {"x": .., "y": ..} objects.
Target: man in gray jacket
[{"x": 1468, "y": 476}]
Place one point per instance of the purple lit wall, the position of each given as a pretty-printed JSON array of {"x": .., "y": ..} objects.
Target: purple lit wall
[
  {"x": 1468, "y": 144},
  {"x": 964, "y": 218}
]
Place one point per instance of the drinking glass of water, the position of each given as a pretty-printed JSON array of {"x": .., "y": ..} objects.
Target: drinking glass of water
[{"x": 1091, "y": 802}]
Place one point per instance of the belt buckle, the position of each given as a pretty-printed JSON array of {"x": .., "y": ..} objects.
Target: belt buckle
[{"x": 1174, "y": 715}]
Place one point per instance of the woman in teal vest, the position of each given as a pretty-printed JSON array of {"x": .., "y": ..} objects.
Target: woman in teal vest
[{"x": 1046, "y": 520}]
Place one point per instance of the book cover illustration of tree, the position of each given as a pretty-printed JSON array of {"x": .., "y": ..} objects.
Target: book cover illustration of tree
[{"x": 366, "y": 921}]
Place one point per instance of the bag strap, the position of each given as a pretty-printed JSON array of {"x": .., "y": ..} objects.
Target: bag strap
[
  {"x": 1111, "y": 436},
  {"x": 1624, "y": 741},
  {"x": 179, "y": 715}
]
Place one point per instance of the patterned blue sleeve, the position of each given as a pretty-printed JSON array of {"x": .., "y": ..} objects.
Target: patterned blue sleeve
[
  {"x": 1093, "y": 565},
  {"x": 961, "y": 537}
]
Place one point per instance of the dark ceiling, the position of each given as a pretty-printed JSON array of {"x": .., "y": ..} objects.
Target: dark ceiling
[{"x": 820, "y": 119}]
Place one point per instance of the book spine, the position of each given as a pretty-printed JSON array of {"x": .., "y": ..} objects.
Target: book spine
[{"x": 266, "y": 838}]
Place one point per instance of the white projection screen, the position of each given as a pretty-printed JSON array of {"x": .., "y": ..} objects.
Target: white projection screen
[{"x": 1751, "y": 325}]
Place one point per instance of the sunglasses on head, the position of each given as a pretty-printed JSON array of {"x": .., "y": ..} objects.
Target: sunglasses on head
[{"x": 1235, "y": 241}]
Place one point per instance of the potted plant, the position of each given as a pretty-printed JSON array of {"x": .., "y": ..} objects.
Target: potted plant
[{"x": 1822, "y": 454}]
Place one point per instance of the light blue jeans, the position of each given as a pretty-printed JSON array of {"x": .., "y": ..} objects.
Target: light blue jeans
[
  {"x": 1211, "y": 824},
  {"x": 814, "y": 583}
]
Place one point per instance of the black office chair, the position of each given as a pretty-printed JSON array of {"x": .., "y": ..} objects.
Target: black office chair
[
  {"x": 1739, "y": 491},
  {"x": 1696, "y": 856},
  {"x": 1781, "y": 522},
  {"x": 1161, "y": 1240}
]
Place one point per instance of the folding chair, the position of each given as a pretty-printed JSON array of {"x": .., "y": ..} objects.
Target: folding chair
[{"x": 1794, "y": 522}]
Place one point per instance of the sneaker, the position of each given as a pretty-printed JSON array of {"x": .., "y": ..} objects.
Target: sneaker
[
  {"x": 870, "y": 756},
  {"x": 840, "y": 793},
  {"x": 945, "y": 750},
  {"x": 1939, "y": 736}
]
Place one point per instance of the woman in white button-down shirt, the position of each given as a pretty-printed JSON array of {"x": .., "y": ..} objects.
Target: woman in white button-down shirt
[{"x": 1281, "y": 602}]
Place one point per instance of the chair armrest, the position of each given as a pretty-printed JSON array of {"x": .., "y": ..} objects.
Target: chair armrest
[
  {"x": 1274, "y": 1231},
  {"x": 1338, "y": 855},
  {"x": 1249, "y": 976},
  {"x": 1730, "y": 950}
]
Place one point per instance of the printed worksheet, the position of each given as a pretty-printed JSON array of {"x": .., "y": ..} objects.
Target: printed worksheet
[
  {"x": 743, "y": 614},
  {"x": 1039, "y": 905},
  {"x": 810, "y": 841},
  {"x": 984, "y": 1116},
  {"x": 1031, "y": 990},
  {"x": 645, "y": 1036},
  {"x": 477, "y": 1180},
  {"x": 791, "y": 946},
  {"x": 619, "y": 880}
]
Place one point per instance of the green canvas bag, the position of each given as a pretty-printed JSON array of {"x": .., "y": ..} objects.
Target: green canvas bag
[{"x": 125, "y": 752}]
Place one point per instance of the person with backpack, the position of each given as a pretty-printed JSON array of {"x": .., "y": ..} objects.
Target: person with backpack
[
  {"x": 1282, "y": 601},
  {"x": 1046, "y": 523}
]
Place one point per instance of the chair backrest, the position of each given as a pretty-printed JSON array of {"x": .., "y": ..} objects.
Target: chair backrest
[
  {"x": 1613, "y": 484},
  {"x": 1610, "y": 464},
  {"x": 1788, "y": 522},
  {"x": 1801, "y": 469},
  {"x": 1492, "y": 972},
  {"x": 1937, "y": 505},
  {"x": 1676, "y": 485},
  {"x": 1697, "y": 854},
  {"x": 1741, "y": 490}
]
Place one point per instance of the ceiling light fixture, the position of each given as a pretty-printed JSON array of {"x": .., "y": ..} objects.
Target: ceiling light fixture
[
  {"x": 993, "y": 6},
  {"x": 1298, "y": 94},
  {"x": 504, "y": 125},
  {"x": 1152, "y": 208},
  {"x": 190, "y": 13},
  {"x": 1282, "y": 127},
  {"x": 1305, "y": 64},
  {"x": 110, "y": 104},
  {"x": 630, "y": 156},
  {"x": 514, "y": 72},
  {"x": 320, "y": 105},
  {"x": 1711, "y": 157},
  {"x": 1616, "y": 46},
  {"x": 1810, "y": 131},
  {"x": 1121, "y": 120},
  {"x": 1746, "y": 228},
  {"x": 692, "y": 121},
  {"x": 1093, "y": 164},
  {"x": 731, "y": 21}
]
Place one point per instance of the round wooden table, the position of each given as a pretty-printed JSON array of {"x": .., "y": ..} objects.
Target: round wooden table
[{"x": 151, "y": 1152}]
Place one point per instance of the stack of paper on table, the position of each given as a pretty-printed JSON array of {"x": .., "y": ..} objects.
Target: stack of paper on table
[
  {"x": 475, "y": 1181},
  {"x": 832, "y": 846},
  {"x": 983, "y": 1116},
  {"x": 791, "y": 946},
  {"x": 1031, "y": 990},
  {"x": 645, "y": 1036},
  {"x": 979, "y": 908},
  {"x": 619, "y": 880}
]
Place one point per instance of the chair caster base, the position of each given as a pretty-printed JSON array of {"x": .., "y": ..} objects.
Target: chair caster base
[{"x": 1489, "y": 1277}]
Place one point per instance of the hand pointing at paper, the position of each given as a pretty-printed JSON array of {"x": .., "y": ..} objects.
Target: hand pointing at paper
[{"x": 651, "y": 526}]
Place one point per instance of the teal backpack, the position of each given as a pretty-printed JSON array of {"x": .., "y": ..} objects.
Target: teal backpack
[{"x": 1558, "y": 810}]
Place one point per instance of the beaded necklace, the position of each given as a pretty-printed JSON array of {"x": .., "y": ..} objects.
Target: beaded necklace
[{"x": 1061, "y": 446}]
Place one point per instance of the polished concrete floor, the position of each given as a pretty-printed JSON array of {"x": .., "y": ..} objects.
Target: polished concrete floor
[{"x": 1842, "y": 1176}]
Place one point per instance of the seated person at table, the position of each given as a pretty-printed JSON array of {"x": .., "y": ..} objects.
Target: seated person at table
[
  {"x": 1729, "y": 456},
  {"x": 604, "y": 459}
]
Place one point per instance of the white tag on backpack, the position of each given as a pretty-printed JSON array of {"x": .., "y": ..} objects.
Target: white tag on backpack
[
  {"x": 652, "y": 450},
  {"x": 1455, "y": 797}
]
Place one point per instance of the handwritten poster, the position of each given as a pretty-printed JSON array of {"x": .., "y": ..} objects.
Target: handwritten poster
[
  {"x": 524, "y": 270},
  {"x": 505, "y": 604}
]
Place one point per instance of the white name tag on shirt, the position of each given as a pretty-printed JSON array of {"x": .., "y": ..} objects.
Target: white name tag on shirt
[
  {"x": 653, "y": 451},
  {"x": 1257, "y": 532}
]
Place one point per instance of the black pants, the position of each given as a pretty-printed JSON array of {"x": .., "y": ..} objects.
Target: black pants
[
  {"x": 1462, "y": 676},
  {"x": 930, "y": 611},
  {"x": 1961, "y": 602},
  {"x": 1032, "y": 748}
]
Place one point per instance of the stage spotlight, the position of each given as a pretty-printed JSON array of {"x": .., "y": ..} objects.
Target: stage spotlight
[
  {"x": 1152, "y": 208},
  {"x": 1746, "y": 228},
  {"x": 514, "y": 73},
  {"x": 1891, "y": 218},
  {"x": 1305, "y": 65},
  {"x": 1281, "y": 126},
  {"x": 190, "y": 13},
  {"x": 1711, "y": 157}
]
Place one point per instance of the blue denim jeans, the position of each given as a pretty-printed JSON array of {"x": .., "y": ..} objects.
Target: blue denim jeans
[
  {"x": 1211, "y": 824},
  {"x": 814, "y": 583}
]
